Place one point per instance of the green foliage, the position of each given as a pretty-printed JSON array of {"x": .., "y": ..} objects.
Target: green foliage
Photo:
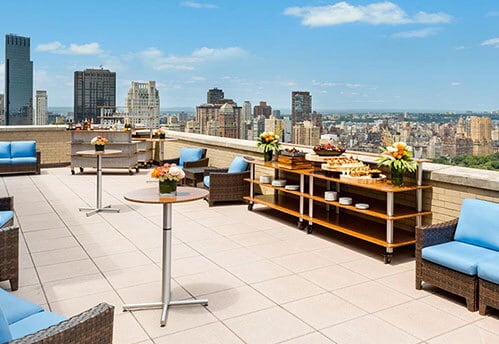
[{"x": 484, "y": 162}]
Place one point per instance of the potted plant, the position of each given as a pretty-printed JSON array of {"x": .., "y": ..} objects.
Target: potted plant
[
  {"x": 99, "y": 142},
  {"x": 398, "y": 158},
  {"x": 160, "y": 133},
  {"x": 168, "y": 175},
  {"x": 269, "y": 142}
]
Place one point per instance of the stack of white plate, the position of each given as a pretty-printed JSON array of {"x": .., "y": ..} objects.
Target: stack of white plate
[
  {"x": 265, "y": 179},
  {"x": 361, "y": 205},
  {"x": 279, "y": 182},
  {"x": 345, "y": 200},
  {"x": 292, "y": 187}
]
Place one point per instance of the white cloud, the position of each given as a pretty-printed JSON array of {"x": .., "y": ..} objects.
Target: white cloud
[
  {"x": 73, "y": 49},
  {"x": 193, "y": 4},
  {"x": 157, "y": 60},
  {"x": 491, "y": 42},
  {"x": 422, "y": 33},
  {"x": 376, "y": 13},
  {"x": 492, "y": 14},
  {"x": 461, "y": 47},
  {"x": 323, "y": 83},
  {"x": 455, "y": 83}
]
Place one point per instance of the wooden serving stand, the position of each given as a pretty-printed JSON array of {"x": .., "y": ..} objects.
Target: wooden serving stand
[
  {"x": 363, "y": 179},
  {"x": 293, "y": 162}
]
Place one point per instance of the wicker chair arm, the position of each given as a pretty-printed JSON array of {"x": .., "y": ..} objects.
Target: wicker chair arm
[
  {"x": 198, "y": 163},
  {"x": 208, "y": 171},
  {"x": 435, "y": 234},
  {"x": 94, "y": 326},
  {"x": 171, "y": 161},
  {"x": 223, "y": 179},
  {"x": 7, "y": 203}
]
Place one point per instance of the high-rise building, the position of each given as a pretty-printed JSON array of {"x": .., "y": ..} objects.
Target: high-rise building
[
  {"x": 276, "y": 114},
  {"x": 2, "y": 112},
  {"x": 246, "y": 111},
  {"x": 143, "y": 104},
  {"x": 275, "y": 126},
  {"x": 18, "y": 81},
  {"x": 306, "y": 134},
  {"x": 481, "y": 134},
  {"x": 93, "y": 88},
  {"x": 301, "y": 107},
  {"x": 246, "y": 121},
  {"x": 214, "y": 96},
  {"x": 41, "y": 116},
  {"x": 219, "y": 119},
  {"x": 262, "y": 110}
]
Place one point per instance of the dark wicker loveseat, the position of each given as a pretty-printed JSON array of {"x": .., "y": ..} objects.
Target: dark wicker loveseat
[{"x": 9, "y": 247}]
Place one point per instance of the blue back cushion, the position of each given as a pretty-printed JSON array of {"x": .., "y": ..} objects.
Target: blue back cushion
[
  {"x": 5, "y": 216},
  {"x": 5, "y": 335},
  {"x": 478, "y": 224},
  {"x": 4, "y": 150},
  {"x": 23, "y": 149},
  {"x": 15, "y": 308},
  {"x": 239, "y": 164},
  {"x": 190, "y": 154}
]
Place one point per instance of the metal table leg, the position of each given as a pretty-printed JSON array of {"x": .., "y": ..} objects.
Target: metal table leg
[
  {"x": 99, "y": 206},
  {"x": 166, "y": 274}
]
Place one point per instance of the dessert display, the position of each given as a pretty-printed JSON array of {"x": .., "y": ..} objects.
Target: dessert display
[
  {"x": 292, "y": 158},
  {"x": 292, "y": 152},
  {"x": 328, "y": 149},
  {"x": 342, "y": 163}
]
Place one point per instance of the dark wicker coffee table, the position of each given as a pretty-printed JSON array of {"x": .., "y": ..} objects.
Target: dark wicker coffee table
[{"x": 194, "y": 174}]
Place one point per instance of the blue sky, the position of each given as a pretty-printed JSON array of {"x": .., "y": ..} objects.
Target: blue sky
[{"x": 406, "y": 55}]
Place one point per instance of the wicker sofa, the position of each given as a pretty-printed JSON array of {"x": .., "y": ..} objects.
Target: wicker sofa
[
  {"x": 9, "y": 243},
  {"x": 451, "y": 255},
  {"x": 227, "y": 184},
  {"x": 19, "y": 157},
  {"x": 24, "y": 322}
]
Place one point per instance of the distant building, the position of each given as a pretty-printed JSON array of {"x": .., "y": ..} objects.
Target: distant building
[
  {"x": 2, "y": 111},
  {"x": 41, "y": 108},
  {"x": 258, "y": 126},
  {"x": 219, "y": 119},
  {"x": 214, "y": 96},
  {"x": 93, "y": 88},
  {"x": 262, "y": 110},
  {"x": 275, "y": 126},
  {"x": 301, "y": 107},
  {"x": 228, "y": 120},
  {"x": 142, "y": 104},
  {"x": 306, "y": 134},
  {"x": 246, "y": 121},
  {"x": 18, "y": 81},
  {"x": 276, "y": 114},
  {"x": 481, "y": 134}
]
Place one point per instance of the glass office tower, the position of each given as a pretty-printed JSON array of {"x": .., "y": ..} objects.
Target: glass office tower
[{"x": 18, "y": 81}]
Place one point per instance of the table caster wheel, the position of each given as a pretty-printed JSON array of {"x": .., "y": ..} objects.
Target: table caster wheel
[
  {"x": 73, "y": 172},
  {"x": 81, "y": 169},
  {"x": 388, "y": 258},
  {"x": 301, "y": 225},
  {"x": 310, "y": 229},
  {"x": 250, "y": 206}
]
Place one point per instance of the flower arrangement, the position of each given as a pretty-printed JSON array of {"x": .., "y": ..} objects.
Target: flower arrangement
[
  {"x": 269, "y": 141},
  {"x": 398, "y": 156},
  {"x": 170, "y": 172},
  {"x": 99, "y": 140},
  {"x": 160, "y": 133}
]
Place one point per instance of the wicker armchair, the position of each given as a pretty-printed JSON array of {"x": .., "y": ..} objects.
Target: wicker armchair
[
  {"x": 438, "y": 275},
  {"x": 94, "y": 326},
  {"x": 9, "y": 247},
  {"x": 203, "y": 162},
  {"x": 224, "y": 186}
]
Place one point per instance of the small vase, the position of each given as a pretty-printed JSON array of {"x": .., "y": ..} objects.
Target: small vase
[
  {"x": 267, "y": 156},
  {"x": 99, "y": 148},
  {"x": 168, "y": 188},
  {"x": 398, "y": 177},
  {"x": 162, "y": 136}
]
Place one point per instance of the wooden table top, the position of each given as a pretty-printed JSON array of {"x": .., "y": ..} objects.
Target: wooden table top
[
  {"x": 94, "y": 153},
  {"x": 151, "y": 195}
]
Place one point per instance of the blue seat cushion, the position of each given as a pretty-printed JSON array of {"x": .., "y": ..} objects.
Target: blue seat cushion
[
  {"x": 5, "y": 150},
  {"x": 190, "y": 154},
  {"x": 15, "y": 308},
  {"x": 478, "y": 224},
  {"x": 237, "y": 165},
  {"x": 5, "y": 335},
  {"x": 34, "y": 323},
  {"x": 17, "y": 161},
  {"x": 489, "y": 269},
  {"x": 458, "y": 256},
  {"x": 5, "y": 216},
  {"x": 206, "y": 181},
  {"x": 23, "y": 149},
  {"x": 5, "y": 161}
]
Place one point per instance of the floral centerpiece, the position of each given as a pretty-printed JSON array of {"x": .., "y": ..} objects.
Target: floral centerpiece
[
  {"x": 160, "y": 133},
  {"x": 168, "y": 175},
  {"x": 398, "y": 158},
  {"x": 269, "y": 142},
  {"x": 99, "y": 142}
]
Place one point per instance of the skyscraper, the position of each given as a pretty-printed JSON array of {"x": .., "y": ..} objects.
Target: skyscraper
[
  {"x": 41, "y": 108},
  {"x": 214, "y": 96},
  {"x": 262, "y": 110},
  {"x": 301, "y": 107},
  {"x": 93, "y": 88},
  {"x": 246, "y": 121},
  {"x": 18, "y": 81},
  {"x": 2, "y": 112},
  {"x": 143, "y": 103}
]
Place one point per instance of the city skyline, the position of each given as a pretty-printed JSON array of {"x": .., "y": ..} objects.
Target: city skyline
[{"x": 365, "y": 55}]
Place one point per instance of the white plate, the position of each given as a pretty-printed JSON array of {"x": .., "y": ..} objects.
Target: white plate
[
  {"x": 292, "y": 187},
  {"x": 265, "y": 179},
  {"x": 362, "y": 206},
  {"x": 279, "y": 182}
]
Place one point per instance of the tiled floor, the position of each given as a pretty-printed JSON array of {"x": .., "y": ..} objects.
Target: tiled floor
[{"x": 266, "y": 281}]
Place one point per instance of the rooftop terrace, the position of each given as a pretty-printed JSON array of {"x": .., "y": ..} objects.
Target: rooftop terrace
[{"x": 266, "y": 281}]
